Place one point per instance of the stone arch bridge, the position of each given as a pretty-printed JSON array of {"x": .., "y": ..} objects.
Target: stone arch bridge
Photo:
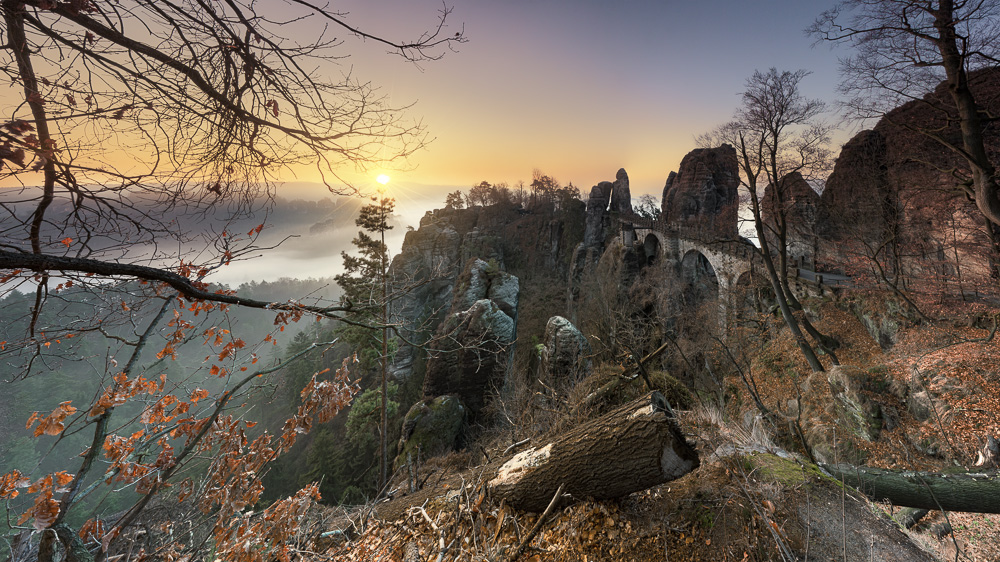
[{"x": 713, "y": 267}]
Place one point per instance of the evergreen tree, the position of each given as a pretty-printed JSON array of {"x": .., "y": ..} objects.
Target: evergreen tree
[{"x": 364, "y": 282}]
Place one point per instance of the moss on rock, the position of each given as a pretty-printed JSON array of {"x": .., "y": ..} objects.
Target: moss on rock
[{"x": 432, "y": 427}]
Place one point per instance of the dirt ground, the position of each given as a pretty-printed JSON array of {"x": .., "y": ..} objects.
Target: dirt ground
[{"x": 745, "y": 503}]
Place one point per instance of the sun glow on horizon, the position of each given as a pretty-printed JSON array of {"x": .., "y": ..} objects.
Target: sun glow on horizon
[{"x": 382, "y": 179}]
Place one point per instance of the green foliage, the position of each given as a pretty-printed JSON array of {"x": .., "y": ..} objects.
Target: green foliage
[
  {"x": 352, "y": 496},
  {"x": 365, "y": 412},
  {"x": 492, "y": 267},
  {"x": 363, "y": 283}
]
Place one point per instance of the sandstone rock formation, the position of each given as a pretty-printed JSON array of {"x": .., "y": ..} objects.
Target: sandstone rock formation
[
  {"x": 484, "y": 280},
  {"x": 835, "y": 412},
  {"x": 796, "y": 201},
  {"x": 598, "y": 220},
  {"x": 535, "y": 241},
  {"x": 565, "y": 353},
  {"x": 702, "y": 194},
  {"x": 431, "y": 427},
  {"x": 895, "y": 196},
  {"x": 606, "y": 198},
  {"x": 469, "y": 354},
  {"x": 856, "y": 199},
  {"x": 621, "y": 196}
]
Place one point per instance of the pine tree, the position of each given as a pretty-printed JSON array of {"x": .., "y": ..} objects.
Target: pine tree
[{"x": 364, "y": 282}]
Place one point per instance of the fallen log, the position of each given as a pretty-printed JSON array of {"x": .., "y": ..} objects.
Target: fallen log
[
  {"x": 599, "y": 395},
  {"x": 974, "y": 492},
  {"x": 910, "y": 516},
  {"x": 632, "y": 448}
]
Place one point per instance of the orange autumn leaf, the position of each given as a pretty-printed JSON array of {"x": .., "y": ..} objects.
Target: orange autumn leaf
[
  {"x": 52, "y": 425},
  {"x": 67, "y": 241},
  {"x": 93, "y": 529},
  {"x": 63, "y": 478},
  {"x": 9, "y": 484}
]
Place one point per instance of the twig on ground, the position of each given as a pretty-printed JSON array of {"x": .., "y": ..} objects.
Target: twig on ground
[
  {"x": 442, "y": 548},
  {"x": 538, "y": 525},
  {"x": 514, "y": 445}
]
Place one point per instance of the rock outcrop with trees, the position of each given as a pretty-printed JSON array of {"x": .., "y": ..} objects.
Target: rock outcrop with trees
[{"x": 535, "y": 374}]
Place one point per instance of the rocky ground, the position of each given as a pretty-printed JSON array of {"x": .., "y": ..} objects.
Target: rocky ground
[{"x": 750, "y": 499}]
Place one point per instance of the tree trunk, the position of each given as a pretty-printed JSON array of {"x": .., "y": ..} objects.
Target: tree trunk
[
  {"x": 632, "y": 448},
  {"x": 598, "y": 395},
  {"x": 909, "y": 516},
  {"x": 974, "y": 492}
]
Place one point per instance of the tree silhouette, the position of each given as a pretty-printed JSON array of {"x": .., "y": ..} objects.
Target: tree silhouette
[
  {"x": 134, "y": 123},
  {"x": 365, "y": 283},
  {"x": 903, "y": 50},
  {"x": 776, "y": 134}
]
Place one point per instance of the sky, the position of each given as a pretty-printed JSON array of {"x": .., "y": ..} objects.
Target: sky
[
  {"x": 576, "y": 89},
  {"x": 579, "y": 89}
]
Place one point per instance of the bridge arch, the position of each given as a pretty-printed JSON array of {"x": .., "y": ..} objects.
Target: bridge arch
[
  {"x": 727, "y": 261},
  {"x": 699, "y": 276},
  {"x": 652, "y": 249}
]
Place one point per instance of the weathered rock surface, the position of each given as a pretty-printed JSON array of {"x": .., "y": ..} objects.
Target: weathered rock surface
[
  {"x": 621, "y": 196},
  {"x": 856, "y": 199},
  {"x": 836, "y": 412},
  {"x": 854, "y": 410},
  {"x": 606, "y": 198},
  {"x": 598, "y": 220},
  {"x": 702, "y": 194},
  {"x": 508, "y": 237},
  {"x": 893, "y": 189},
  {"x": 796, "y": 202},
  {"x": 470, "y": 351},
  {"x": 468, "y": 358},
  {"x": 484, "y": 280},
  {"x": 565, "y": 353},
  {"x": 432, "y": 426}
]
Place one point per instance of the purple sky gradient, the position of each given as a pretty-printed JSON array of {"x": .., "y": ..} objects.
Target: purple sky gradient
[{"x": 579, "y": 89}]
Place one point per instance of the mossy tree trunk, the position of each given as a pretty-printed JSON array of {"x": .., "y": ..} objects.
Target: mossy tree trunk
[
  {"x": 630, "y": 449},
  {"x": 974, "y": 492}
]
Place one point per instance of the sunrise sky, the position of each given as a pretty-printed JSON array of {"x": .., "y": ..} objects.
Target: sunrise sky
[{"x": 579, "y": 88}]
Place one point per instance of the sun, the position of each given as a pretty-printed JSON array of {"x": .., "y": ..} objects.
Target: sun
[{"x": 382, "y": 179}]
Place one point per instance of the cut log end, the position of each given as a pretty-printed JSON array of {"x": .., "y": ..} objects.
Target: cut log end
[
  {"x": 674, "y": 465},
  {"x": 630, "y": 449}
]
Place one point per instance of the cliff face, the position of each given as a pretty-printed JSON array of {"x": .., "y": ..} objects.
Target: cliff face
[
  {"x": 794, "y": 201},
  {"x": 606, "y": 199},
  {"x": 702, "y": 194},
  {"x": 532, "y": 246},
  {"x": 898, "y": 190},
  {"x": 469, "y": 354}
]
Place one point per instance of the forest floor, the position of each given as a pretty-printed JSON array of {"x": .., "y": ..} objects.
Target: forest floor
[{"x": 750, "y": 500}]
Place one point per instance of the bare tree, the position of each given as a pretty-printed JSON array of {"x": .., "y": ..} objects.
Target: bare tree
[
  {"x": 133, "y": 121},
  {"x": 132, "y": 114},
  {"x": 904, "y": 49},
  {"x": 776, "y": 133}
]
